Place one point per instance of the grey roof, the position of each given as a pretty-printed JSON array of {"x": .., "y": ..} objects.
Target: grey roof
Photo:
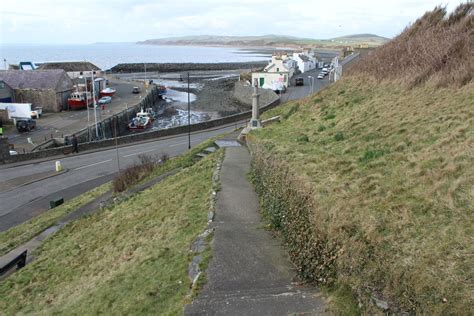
[
  {"x": 303, "y": 57},
  {"x": 70, "y": 66},
  {"x": 32, "y": 79}
]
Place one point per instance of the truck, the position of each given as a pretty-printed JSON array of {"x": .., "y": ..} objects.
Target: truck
[{"x": 21, "y": 110}]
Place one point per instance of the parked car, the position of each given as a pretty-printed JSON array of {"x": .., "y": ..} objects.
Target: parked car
[
  {"x": 105, "y": 100},
  {"x": 25, "y": 125},
  {"x": 320, "y": 76},
  {"x": 299, "y": 81},
  {"x": 136, "y": 90}
]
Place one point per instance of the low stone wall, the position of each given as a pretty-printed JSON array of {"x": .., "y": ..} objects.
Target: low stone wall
[{"x": 133, "y": 138}]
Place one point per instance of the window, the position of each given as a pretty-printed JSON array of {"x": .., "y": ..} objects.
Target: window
[{"x": 2, "y": 85}]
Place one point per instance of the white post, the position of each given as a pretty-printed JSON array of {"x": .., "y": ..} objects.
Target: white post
[{"x": 95, "y": 106}]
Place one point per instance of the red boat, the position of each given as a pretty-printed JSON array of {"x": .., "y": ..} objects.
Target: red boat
[
  {"x": 107, "y": 92},
  {"x": 77, "y": 100}
]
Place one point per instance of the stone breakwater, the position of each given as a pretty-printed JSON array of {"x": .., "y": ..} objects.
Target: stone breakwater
[{"x": 177, "y": 67}]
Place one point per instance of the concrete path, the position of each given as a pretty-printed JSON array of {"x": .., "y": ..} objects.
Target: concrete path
[{"x": 250, "y": 273}]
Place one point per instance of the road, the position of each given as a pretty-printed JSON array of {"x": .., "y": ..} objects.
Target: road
[
  {"x": 297, "y": 92},
  {"x": 88, "y": 170},
  {"x": 85, "y": 171}
]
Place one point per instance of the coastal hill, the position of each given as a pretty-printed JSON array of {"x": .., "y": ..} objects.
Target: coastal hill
[
  {"x": 267, "y": 40},
  {"x": 370, "y": 181}
]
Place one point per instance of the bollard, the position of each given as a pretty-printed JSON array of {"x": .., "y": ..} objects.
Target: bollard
[{"x": 58, "y": 166}]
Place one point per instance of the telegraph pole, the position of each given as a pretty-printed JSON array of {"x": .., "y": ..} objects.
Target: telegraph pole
[{"x": 189, "y": 118}]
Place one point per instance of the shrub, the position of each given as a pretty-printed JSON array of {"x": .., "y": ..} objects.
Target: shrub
[
  {"x": 339, "y": 136},
  {"x": 137, "y": 172}
]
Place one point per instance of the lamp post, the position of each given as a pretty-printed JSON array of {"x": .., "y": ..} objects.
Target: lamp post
[
  {"x": 5, "y": 63},
  {"x": 189, "y": 118},
  {"x": 95, "y": 106}
]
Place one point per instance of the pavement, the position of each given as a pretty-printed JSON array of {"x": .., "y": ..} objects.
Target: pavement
[{"x": 250, "y": 273}]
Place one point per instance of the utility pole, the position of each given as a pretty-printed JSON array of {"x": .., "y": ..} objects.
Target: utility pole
[
  {"x": 116, "y": 144},
  {"x": 5, "y": 63},
  {"x": 189, "y": 118},
  {"x": 95, "y": 107}
]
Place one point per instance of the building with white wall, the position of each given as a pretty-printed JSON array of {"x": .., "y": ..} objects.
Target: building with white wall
[
  {"x": 304, "y": 61},
  {"x": 277, "y": 73}
]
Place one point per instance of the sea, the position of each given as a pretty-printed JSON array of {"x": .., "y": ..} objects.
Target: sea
[{"x": 107, "y": 55}]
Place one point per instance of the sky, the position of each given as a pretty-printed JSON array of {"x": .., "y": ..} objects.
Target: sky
[{"x": 90, "y": 21}]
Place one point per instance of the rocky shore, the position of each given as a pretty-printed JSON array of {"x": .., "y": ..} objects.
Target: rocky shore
[{"x": 178, "y": 67}]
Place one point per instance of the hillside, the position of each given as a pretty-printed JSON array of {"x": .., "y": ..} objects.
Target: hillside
[
  {"x": 265, "y": 40},
  {"x": 130, "y": 257},
  {"x": 370, "y": 181},
  {"x": 370, "y": 39}
]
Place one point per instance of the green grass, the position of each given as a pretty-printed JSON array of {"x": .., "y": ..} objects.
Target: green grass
[
  {"x": 392, "y": 171},
  {"x": 129, "y": 259},
  {"x": 22, "y": 233}
]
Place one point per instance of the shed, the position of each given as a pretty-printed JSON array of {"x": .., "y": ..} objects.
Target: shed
[{"x": 48, "y": 89}]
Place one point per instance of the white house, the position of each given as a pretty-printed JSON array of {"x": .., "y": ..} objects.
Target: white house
[
  {"x": 277, "y": 73},
  {"x": 304, "y": 61}
]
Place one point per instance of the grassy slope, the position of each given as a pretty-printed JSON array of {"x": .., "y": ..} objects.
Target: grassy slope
[
  {"x": 129, "y": 259},
  {"x": 393, "y": 174},
  {"x": 22, "y": 233}
]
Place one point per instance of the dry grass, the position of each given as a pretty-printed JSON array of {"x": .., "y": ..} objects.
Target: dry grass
[
  {"x": 436, "y": 47},
  {"x": 130, "y": 259},
  {"x": 391, "y": 172}
]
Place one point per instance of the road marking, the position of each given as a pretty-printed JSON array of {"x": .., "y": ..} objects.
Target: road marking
[
  {"x": 177, "y": 144},
  {"x": 94, "y": 164},
  {"x": 141, "y": 152}
]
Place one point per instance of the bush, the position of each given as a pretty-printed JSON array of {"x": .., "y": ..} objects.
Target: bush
[
  {"x": 339, "y": 136},
  {"x": 137, "y": 172}
]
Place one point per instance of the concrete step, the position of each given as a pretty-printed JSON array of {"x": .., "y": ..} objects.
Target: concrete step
[{"x": 266, "y": 301}]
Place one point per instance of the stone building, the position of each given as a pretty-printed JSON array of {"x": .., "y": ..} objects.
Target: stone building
[{"x": 48, "y": 89}]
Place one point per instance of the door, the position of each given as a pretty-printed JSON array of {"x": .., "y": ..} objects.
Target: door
[{"x": 262, "y": 81}]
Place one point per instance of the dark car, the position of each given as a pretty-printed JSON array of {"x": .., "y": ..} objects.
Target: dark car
[
  {"x": 136, "y": 90},
  {"x": 299, "y": 81},
  {"x": 25, "y": 125}
]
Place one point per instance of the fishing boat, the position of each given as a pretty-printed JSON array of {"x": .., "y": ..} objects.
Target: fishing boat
[
  {"x": 77, "y": 100},
  {"x": 107, "y": 92},
  {"x": 143, "y": 120}
]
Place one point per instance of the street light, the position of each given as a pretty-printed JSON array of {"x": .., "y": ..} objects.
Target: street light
[
  {"x": 95, "y": 107},
  {"x": 189, "y": 118}
]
